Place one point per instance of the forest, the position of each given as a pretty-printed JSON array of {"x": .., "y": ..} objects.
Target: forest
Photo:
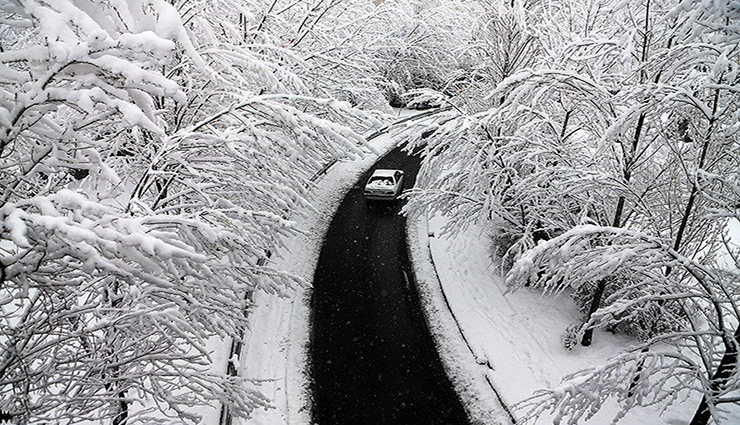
[{"x": 153, "y": 154}]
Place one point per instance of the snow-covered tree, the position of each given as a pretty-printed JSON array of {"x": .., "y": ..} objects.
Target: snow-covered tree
[
  {"x": 405, "y": 45},
  {"x": 475, "y": 162},
  {"x": 419, "y": 44},
  {"x": 698, "y": 353},
  {"x": 355, "y": 51},
  {"x": 318, "y": 41},
  {"x": 595, "y": 137},
  {"x": 150, "y": 158},
  {"x": 609, "y": 169},
  {"x": 503, "y": 40},
  {"x": 676, "y": 131}
]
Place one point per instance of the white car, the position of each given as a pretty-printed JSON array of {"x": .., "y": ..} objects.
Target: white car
[{"x": 384, "y": 185}]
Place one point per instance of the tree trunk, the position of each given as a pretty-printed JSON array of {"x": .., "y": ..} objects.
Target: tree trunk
[
  {"x": 721, "y": 376},
  {"x": 694, "y": 184},
  {"x": 122, "y": 416},
  {"x": 627, "y": 174},
  {"x": 113, "y": 374},
  {"x": 619, "y": 211},
  {"x": 588, "y": 334}
]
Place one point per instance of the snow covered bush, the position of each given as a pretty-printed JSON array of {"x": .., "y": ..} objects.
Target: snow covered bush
[
  {"x": 641, "y": 323},
  {"x": 150, "y": 159},
  {"x": 572, "y": 335}
]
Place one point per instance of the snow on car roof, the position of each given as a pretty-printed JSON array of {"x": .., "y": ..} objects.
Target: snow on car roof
[{"x": 384, "y": 173}]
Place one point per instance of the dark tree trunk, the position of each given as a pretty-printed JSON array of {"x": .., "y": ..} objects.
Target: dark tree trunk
[
  {"x": 122, "y": 416},
  {"x": 627, "y": 175},
  {"x": 726, "y": 368},
  {"x": 588, "y": 334}
]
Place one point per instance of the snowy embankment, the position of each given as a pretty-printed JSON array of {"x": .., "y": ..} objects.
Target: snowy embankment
[{"x": 466, "y": 370}]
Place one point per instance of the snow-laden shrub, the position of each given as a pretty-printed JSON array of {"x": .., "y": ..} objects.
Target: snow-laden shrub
[
  {"x": 572, "y": 335},
  {"x": 643, "y": 322}
]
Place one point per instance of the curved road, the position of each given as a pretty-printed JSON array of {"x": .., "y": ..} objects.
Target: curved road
[{"x": 373, "y": 359}]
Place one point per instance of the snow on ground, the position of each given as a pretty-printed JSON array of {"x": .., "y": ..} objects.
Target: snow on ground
[
  {"x": 466, "y": 371},
  {"x": 520, "y": 335}
]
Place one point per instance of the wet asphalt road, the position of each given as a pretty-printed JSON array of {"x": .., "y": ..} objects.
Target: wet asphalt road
[{"x": 373, "y": 360}]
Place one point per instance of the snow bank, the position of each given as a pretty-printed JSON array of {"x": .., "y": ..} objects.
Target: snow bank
[{"x": 464, "y": 365}]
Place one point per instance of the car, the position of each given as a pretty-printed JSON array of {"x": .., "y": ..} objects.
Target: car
[{"x": 384, "y": 185}]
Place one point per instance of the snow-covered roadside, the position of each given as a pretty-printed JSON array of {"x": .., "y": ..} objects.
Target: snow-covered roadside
[
  {"x": 519, "y": 335},
  {"x": 275, "y": 353},
  {"x": 467, "y": 373}
]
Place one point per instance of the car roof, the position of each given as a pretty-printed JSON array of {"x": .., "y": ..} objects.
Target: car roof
[{"x": 384, "y": 173}]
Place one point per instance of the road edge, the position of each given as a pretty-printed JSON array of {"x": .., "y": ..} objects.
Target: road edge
[{"x": 468, "y": 378}]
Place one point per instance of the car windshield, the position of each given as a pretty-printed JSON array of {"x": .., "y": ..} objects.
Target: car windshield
[{"x": 381, "y": 181}]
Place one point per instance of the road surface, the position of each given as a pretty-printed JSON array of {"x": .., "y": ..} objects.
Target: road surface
[{"x": 373, "y": 360}]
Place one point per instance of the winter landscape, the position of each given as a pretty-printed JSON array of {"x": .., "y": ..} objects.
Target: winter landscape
[{"x": 170, "y": 170}]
